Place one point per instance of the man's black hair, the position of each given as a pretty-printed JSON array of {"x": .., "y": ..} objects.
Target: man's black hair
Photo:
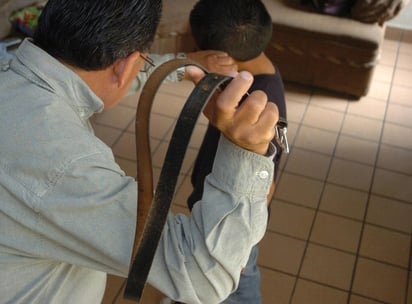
[
  {"x": 242, "y": 28},
  {"x": 93, "y": 34}
]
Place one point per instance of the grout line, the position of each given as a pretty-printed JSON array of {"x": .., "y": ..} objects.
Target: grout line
[
  {"x": 370, "y": 193},
  {"x": 321, "y": 193},
  {"x": 351, "y": 253}
]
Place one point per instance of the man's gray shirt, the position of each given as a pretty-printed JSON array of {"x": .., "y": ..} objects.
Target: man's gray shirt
[{"x": 68, "y": 212}]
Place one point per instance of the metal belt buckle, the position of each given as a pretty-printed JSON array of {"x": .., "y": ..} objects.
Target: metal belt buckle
[{"x": 281, "y": 129}]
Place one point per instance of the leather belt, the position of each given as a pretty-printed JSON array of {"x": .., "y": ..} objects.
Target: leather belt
[{"x": 153, "y": 207}]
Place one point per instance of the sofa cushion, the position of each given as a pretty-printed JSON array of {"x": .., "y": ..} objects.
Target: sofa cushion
[
  {"x": 305, "y": 20},
  {"x": 376, "y": 11},
  {"x": 334, "y": 7}
]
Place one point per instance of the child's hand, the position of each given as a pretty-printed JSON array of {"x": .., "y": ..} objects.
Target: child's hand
[{"x": 215, "y": 61}]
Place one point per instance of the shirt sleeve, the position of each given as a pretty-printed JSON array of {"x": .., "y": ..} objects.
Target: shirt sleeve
[
  {"x": 158, "y": 59},
  {"x": 200, "y": 258},
  {"x": 88, "y": 219}
]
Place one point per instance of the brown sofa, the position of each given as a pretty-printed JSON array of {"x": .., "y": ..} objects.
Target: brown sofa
[
  {"x": 324, "y": 51},
  {"x": 328, "y": 52}
]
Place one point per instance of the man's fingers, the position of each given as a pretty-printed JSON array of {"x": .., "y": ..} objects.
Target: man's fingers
[
  {"x": 229, "y": 99},
  {"x": 267, "y": 121},
  {"x": 251, "y": 108}
]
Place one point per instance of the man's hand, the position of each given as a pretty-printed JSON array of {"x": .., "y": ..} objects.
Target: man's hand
[
  {"x": 250, "y": 125},
  {"x": 214, "y": 61}
]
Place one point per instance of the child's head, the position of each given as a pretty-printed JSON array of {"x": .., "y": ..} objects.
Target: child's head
[{"x": 242, "y": 28}]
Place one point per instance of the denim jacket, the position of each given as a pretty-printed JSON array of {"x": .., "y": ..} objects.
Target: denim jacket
[{"x": 68, "y": 212}]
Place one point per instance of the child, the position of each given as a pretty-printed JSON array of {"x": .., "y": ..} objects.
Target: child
[{"x": 241, "y": 28}]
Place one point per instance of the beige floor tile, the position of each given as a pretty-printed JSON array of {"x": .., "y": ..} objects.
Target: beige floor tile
[
  {"x": 188, "y": 161},
  {"x": 156, "y": 175},
  {"x": 180, "y": 209},
  {"x": 383, "y": 73},
  {"x": 131, "y": 100},
  {"x": 160, "y": 125},
  {"x": 316, "y": 140},
  {"x": 108, "y": 135},
  {"x": 392, "y": 33},
  {"x": 344, "y": 201},
  {"x": 183, "y": 192},
  {"x": 281, "y": 253},
  {"x": 385, "y": 245},
  {"x": 362, "y": 127},
  {"x": 380, "y": 281},
  {"x": 359, "y": 150},
  {"x": 197, "y": 136},
  {"x": 307, "y": 163},
  {"x": 394, "y": 185},
  {"x": 389, "y": 54},
  {"x": 328, "y": 266},
  {"x": 323, "y": 118},
  {"x": 291, "y": 219},
  {"x": 407, "y": 36},
  {"x": 299, "y": 190},
  {"x": 379, "y": 90},
  {"x": 397, "y": 136},
  {"x": 409, "y": 296},
  {"x": 276, "y": 287},
  {"x": 114, "y": 283},
  {"x": 354, "y": 299},
  {"x": 125, "y": 147},
  {"x": 330, "y": 100},
  {"x": 395, "y": 159},
  {"x": 182, "y": 88},
  {"x": 402, "y": 77},
  {"x": 295, "y": 110},
  {"x": 405, "y": 48},
  {"x": 118, "y": 117},
  {"x": 368, "y": 107},
  {"x": 350, "y": 174},
  {"x": 399, "y": 114},
  {"x": 390, "y": 214},
  {"x": 336, "y": 232},
  {"x": 167, "y": 104},
  {"x": 401, "y": 95},
  {"x": 405, "y": 61},
  {"x": 312, "y": 293},
  {"x": 298, "y": 93},
  {"x": 128, "y": 166}
]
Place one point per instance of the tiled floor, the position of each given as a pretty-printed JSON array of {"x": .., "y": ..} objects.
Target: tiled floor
[{"x": 341, "y": 223}]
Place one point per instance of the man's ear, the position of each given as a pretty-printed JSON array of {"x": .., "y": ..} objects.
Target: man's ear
[{"x": 124, "y": 69}]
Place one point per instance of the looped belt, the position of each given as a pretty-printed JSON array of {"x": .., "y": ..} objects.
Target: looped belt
[{"x": 152, "y": 210}]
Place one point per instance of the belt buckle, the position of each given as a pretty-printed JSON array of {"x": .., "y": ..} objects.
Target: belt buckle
[{"x": 281, "y": 137}]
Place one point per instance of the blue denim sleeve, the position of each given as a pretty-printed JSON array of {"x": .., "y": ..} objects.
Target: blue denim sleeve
[{"x": 200, "y": 258}]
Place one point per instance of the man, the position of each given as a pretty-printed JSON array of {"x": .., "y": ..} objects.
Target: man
[{"x": 68, "y": 212}]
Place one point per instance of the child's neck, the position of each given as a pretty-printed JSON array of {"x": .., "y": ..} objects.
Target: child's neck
[{"x": 258, "y": 65}]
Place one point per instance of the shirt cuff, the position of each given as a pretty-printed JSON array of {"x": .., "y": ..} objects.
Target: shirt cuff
[{"x": 243, "y": 171}]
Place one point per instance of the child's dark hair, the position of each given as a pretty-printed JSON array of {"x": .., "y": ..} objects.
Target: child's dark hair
[{"x": 242, "y": 28}]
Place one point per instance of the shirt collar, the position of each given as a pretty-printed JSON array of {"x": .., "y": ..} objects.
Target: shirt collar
[{"x": 41, "y": 68}]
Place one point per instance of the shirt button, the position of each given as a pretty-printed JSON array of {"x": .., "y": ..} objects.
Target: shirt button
[{"x": 263, "y": 174}]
